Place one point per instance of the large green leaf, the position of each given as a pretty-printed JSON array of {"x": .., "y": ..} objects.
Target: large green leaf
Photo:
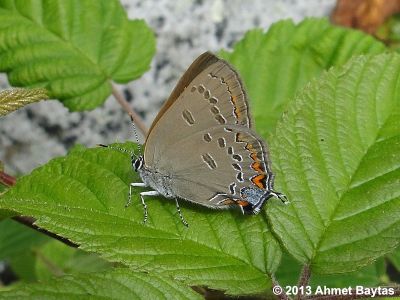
[
  {"x": 394, "y": 258},
  {"x": 73, "y": 48},
  {"x": 276, "y": 64},
  {"x": 289, "y": 271},
  {"x": 55, "y": 259},
  {"x": 16, "y": 247},
  {"x": 116, "y": 284},
  {"x": 337, "y": 156},
  {"x": 16, "y": 238},
  {"x": 82, "y": 196},
  {"x": 33, "y": 255}
]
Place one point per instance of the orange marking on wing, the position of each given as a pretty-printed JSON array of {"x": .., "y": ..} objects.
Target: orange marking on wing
[
  {"x": 257, "y": 166},
  {"x": 228, "y": 202},
  {"x": 236, "y": 110},
  {"x": 257, "y": 180},
  {"x": 242, "y": 203},
  {"x": 253, "y": 156}
]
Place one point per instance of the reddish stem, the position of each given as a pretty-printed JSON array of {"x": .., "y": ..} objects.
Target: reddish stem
[
  {"x": 6, "y": 179},
  {"x": 125, "y": 105}
]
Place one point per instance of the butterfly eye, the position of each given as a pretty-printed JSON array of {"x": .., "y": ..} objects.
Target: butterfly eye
[{"x": 137, "y": 163}]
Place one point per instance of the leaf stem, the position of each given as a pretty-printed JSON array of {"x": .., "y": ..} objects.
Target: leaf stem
[
  {"x": 125, "y": 105},
  {"x": 6, "y": 179},
  {"x": 303, "y": 280}
]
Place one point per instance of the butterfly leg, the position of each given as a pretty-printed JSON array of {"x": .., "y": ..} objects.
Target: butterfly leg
[
  {"x": 180, "y": 213},
  {"x": 147, "y": 193},
  {"x": 241, "y": 209},
  {"x": 133, "y": 184}
]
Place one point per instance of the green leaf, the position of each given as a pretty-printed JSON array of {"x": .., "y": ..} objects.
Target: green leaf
[
  {"x": 16, "y": 247},
  {"x": 16, "y": 238},
  {"x": 56, "y": 259},
  {"x": 394, "y": 258},
  {"x": 116, "y": 284},
  {"x": 5, "y": 214},
  {"x": 381, "y": 271},
  {"x": 12, "y": 99},
  {"x": 33, "y": 255},
  {"x": 73, "y": 48},
  {"x": 276, "y": 64},
  {"x": 23, "y": 266},
  {"x": 82, "y": 196},
  {"x": 337, "y": 157},
  {"x": 366, "y": 276},
  {"x": 289, "y": 271}
]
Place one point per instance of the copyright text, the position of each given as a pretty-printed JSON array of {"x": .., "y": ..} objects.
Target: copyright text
[{"x": 325, "y": 290}]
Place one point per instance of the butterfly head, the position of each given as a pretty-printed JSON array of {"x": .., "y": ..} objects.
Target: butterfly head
[{"x": 137, "y": 162}]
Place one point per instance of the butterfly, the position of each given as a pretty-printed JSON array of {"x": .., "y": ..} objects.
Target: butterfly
[{"x": 201, "y": 147}]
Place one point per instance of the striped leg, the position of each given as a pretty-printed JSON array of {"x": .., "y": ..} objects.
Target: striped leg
[
  {"x": 142, "y": 194},
  {"x": 147, "y": 193},
  {"x": 180, "y": 213},
  {"x": 133, "y": 184}
]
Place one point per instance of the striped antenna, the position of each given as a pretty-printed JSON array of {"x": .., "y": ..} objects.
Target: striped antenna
[
  {"x": 133, "y": 154},
  {"x": 136, "y": 135}
]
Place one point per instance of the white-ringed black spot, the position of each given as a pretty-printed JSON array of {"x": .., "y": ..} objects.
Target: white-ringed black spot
[
  {"x": 221, "y": 142},
  {"x": 213, "y": 100},
  {"x": 210, "y": 162},
  {"x": 221, "y": 120},
  {"x": 215, "y": 110},
  {"x": 237, "y": 167},
  {"x": 239, "y": 176},
  {"x": 232, "y": 188},
  {"x": 207, "y": 137},
  {"x": 201, "y": 89},
  {"x": 237, "y": 157},
  {"x": 188, "y": 117}
]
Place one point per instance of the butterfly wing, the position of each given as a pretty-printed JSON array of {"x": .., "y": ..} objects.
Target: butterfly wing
[
  {"x": 211, "y": 171},
  {"x": 209, "y": 94}
]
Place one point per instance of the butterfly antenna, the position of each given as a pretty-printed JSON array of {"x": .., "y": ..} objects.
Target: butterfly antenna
[
  {"x": 133, "y": 154},
  {"x": 136, "y": 135}
]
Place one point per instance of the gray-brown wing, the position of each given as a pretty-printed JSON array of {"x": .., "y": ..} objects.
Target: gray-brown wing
[
  {"x": 213, "y": 165},
  {"x": 209, "y": 94}
]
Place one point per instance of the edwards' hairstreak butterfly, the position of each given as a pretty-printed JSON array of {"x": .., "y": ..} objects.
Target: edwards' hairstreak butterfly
[{"x": 201, "y": 147}]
